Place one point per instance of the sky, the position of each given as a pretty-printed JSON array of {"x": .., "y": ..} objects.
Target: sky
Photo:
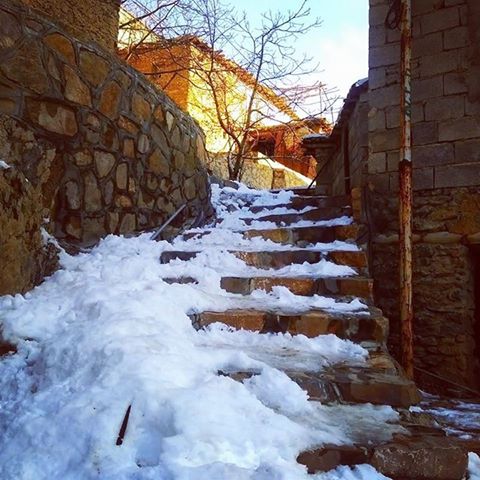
[{"x": 340, "y": 45}]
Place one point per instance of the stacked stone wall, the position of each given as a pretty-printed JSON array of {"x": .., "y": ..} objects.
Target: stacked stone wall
[{"x": 90, "y": 143}]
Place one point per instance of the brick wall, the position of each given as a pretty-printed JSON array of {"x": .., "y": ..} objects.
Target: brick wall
[{"x": 89, "y": 20}]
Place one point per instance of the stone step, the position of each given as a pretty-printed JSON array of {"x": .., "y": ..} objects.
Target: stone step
[
  {"x": 370, "y": 326},
  {"x": 379, "y": 381},
  {"x": 299, "y": 203},
  {"x": 304, "y": 235},
  {"x": 278, "y": 259},
  {"x": 318, "y": 214},
  {"x": 307, "y": 286},
  {"x": 303, "y": 191},
  {"x": 418, "y": 456}
]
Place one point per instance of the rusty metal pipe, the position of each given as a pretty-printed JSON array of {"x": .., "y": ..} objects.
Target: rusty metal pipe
[{"x": 405, "y": 193}]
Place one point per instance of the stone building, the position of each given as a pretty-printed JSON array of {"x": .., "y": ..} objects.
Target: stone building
[
  {"x": 363, "y": 154},
  {"x": 179, "y": 67},
  {"x": 88, "y": 145}
]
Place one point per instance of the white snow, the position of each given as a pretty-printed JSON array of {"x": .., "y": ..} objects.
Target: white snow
[
  {"x": 106, "y": 332},
  {"x": 4, "y": 165},
  {"x": 474, "y": 466}
]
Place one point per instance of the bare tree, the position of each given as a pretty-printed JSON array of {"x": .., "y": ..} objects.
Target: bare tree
[{"x": 262, "y": 57}]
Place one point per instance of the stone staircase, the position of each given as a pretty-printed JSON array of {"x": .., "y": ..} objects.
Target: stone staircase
[{"x": 423, "y": 451}]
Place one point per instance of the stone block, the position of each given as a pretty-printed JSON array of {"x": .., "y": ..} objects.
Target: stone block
[
  {"x": 467, "y": 151},
  {"x": 377, "y": 36},
  {"x": 382, "y": 141},
  {"x": 128, "y": 223},
  {"x": 25, "y": 67},
  {"x": 72, "y": 192},
  {"x": 456, "y": 38},
  {"x": 377, "y": 162},
  {"x": 385, "y": 97},
  {"x": 384, "y": 55},
  {"x": 141, "y": 108},
  {"x": 61, "y": 45},
  {"x": 439, "y": 63},
  {"x": 376, "y": 119},
  {"x": 92, "y": 195},
  {"x": 129, "y": 147},
  {"x": 427, "y": 45},
  {"x": 431, "y": 458},
  {"x": 442, "y": 19},
  {"x": 376, "y": 78},
  {"x": 158, "y": 163},
  {"x": 121, "y": 176},
  {"x": 143, "y": 144},
  {"x": 454, "y": 83},
  {"x": 377, "y": 14},
  {"x": 110, "y": 100},
  {"x": 94, "y": 68},
  {"x": 422, "y": 178},
  {"x": 10, "y": 31},
  {"x": 425, "y": 88},
  {"x": 52, "y": 116},
  {"x": 435, "y": 154},
  {"x": 459, "y": 129},
  {"x": 424, "y": 133},
  {"x": 461, "y": 175},
  {"x": 75, "y": 89},
  {"x": 444, "y": 108},
  {"x": 104, "y": 163},
  {"x": 421, "y": 7}
]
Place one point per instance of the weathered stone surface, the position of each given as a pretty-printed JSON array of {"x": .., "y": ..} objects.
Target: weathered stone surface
[
  {"x": 158, "y": 164},
  {"x": 141, "y": 107},
  {"x": 170, "y": 120},
  {"x": 83, "y": 158},
  {"x": 143, "y": 143},
  {"x": 25, "y": 67},
  {"x": 92, "y": 194},
  {"x": 94, "y": 67},
  {"x": 110, "y": 100},
  {"x": 73, "y": 195},
  {"x": 10, "y": 30},
  {"x": 104, "y": 162},
  {"x": 75, "y": 89},
  {"x": 53, "y": 117},
  {"x": 122, "y": 176},
  {"x": 129, "y": 148},
  {"x": 436, "y": 458},
  {"x": 62, "y": 45},
  {"x": 128, "y": 223},
  {"x": 123, "y": 201}
]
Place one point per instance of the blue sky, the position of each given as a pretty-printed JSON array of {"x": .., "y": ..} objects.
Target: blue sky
[{"x": 340, "y": 45}]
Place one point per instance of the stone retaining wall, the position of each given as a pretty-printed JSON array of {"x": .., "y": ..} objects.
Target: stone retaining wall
[
  {"x": 109, "y": 152},
  {"x": 446, "y": 268}
]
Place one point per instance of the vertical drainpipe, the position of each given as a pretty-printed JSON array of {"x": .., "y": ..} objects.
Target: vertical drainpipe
[{"x": 405, "y": 199}]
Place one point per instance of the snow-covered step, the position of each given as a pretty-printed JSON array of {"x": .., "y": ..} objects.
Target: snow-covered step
[
  {"x": 428, "y": 455},
  {"x": 304, "y": 191},
  {"x": 301, "y": 202},
  {"x": 312, "y": 234},
  {"x": 370, "y": 325},
  {"x": 317, "y": 214},
  {"x": 357, "y": 286},
  {"x": 277, "y": 259},
  {"x": 380, "y": 381}
]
